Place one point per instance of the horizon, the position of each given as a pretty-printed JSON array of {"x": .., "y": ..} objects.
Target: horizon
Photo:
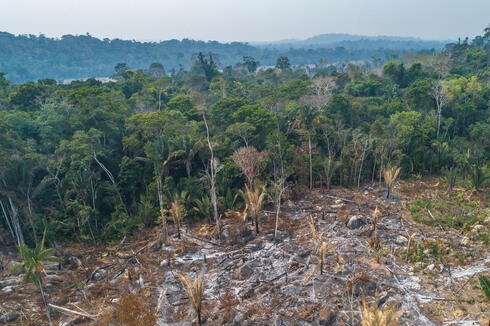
[
  {"x": 251, "y": 42},
  {"x": 251, "y": 21}
]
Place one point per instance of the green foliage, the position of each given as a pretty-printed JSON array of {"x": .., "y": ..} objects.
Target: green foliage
[
  {"x": 93, "y": 160},
  {"x": 485, "y": 285},
  {"x": 479, "y": 176},
  {"x": 33, "y": 262}
]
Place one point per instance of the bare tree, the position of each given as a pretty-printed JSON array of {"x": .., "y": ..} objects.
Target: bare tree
[
  {"x": 211, "y": 173},
  {"x": 249, "y": 159},
  {"x": 321, "y": 90},
  {"x": 439, "y": 94}
]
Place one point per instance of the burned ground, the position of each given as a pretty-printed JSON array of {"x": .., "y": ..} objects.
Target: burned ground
[{"x": 427, "y": 271}]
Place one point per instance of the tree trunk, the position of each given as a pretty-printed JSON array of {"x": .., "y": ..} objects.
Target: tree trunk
[
  {"x": 212, "y": 173},
  {"x": 45, "y": 303},
  {"x": 199, "y": 317},
  {"x": 311, "y": 167},
  {"x": 160, "y": 202},
  {"x": 257, "y": 225}
]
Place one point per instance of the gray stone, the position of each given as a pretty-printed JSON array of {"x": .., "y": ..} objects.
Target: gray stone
[
  {"x": 154, "y": 246},
  {"x": 10, "y": 282},
  {"x": 99, "y": 275},
  {"x": 356, "y": 222},
  {"x": 243, "y": 273},
  {"x": 9, "y": 317},
  {"x": 401, "y": 240}
]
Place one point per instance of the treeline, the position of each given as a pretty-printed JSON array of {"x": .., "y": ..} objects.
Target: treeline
[
  {"x": 29, "y": 57},
  {"x": 93, "y": 161}
]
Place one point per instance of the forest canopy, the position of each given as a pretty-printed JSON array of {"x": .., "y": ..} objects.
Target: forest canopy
[
  {"x": 30, "y": 57},
  {"x": 91, "y": 160}
]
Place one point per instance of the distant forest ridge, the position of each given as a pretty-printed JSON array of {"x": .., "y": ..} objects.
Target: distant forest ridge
[
  {"x": 31, "y": 57},
  {"x": 357, "y": 42}
]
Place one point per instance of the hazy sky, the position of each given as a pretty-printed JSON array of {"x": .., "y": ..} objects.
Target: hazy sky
[{"x": 245, "y": 20}]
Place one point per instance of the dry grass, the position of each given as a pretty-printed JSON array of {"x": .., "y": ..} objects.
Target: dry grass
[
  {"x": 322, "y": 252},
  {"x": 132, "y": 310},
  {"x": 373, "y": 316},
  {"x": 195, "y": 291},
  {"x": 374, "y": 241},
  {"x": 254, "y": 201},
  {"x": 390, "y": 175}
]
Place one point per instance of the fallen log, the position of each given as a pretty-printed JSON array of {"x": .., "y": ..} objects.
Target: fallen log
[{"x": 72, "y": 312}]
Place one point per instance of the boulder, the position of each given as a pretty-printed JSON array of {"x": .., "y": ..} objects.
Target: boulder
[
  {"x": 243, "y": 273},
  {"x": 99, "y": 275},
  {"x": 401, "y": 240},
  {"x": 355, "y": 222},
  {"x": 10, "y": 282},
  {"x": 8, "y": 317}
]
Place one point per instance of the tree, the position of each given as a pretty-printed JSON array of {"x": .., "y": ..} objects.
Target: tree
[
  {"x": 438, "y": 92},
  {"x": 33, "y": 265},
  {"x": 177, "y": 209},
  {"x": 250, "y": 63},
  {"x": 390, "y": 176},
  {"x": 211, "y": 171},
  {"x": 156, "y": 70},
  {"x": 249, "y": 160},
  {"x": 243, "y": 130},
  {"x": 208, "y": 64},
  {"x": 282, "y": 63},
  {"x": 195, "y": 292},
  {"x": 306, "y": 116},
  {"x": 254, "y": 200}
]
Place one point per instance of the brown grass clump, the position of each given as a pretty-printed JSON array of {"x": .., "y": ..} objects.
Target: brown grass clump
[
  {"x": 373, "y": 316},
  {"x": 195, "y": 291},
  {"x": 374, "y": 241},
  {"x": 228, "y": 302},
  {"x": 254, "y": 201},
  {"x": 390, "y": 175},
  {"x": 322, "y": 252},
  {"x": 131, "y": 310}
]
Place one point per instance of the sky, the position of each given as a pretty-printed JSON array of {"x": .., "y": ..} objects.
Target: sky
[{"x": 245, "y": 20}]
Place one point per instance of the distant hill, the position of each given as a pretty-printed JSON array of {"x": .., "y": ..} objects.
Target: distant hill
[
  {"x": 31, "y": 57},
  {"x": 356, "y": 42}
]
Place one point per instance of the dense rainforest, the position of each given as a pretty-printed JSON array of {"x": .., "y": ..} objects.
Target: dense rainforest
[
  {"x": 29, "y": 57},
  {"x": 94, "y": 161}
]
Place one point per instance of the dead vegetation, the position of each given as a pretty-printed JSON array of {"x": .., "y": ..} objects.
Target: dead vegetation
[{"x": 317, "y": 270}]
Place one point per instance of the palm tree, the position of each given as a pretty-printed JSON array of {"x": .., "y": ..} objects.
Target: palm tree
[
  {"x": 177, "y": 209},
  {"x": 204, "y": 207},
  {"x": 254, "y": 200},
  {"x": 390, "y": 175},
  {"x": 33, "y": 263},
  {"x": 195, "y": 291},
  {"x": 187, "y": 147}
]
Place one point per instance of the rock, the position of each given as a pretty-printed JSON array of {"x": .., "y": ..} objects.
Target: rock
[
  {"x": 76, "y": 321},
  {"x": 9, "y": 317},
  {"x": 10, "y": 282},
  {"x": 245, "y": 235},
  {"x": 8, "y": 289},
  {"x": 327, "y": 318},
  {"x": 124, "y": 255},
  {"x": 477, "y": 228},
  {"x": 243, "y": 273},
  {"x": 401, "y": 240},
  {"x": 364, "y": 287},
  {"x": 356, "y": 222},
  {"x": 487, "y": 220},
  {"x": 431, "y": 267},
  {"x": 74, "y": 262},
  {"x": 52, "y": 266},
  {"x": 99, "y": 275},
  {"x": 465, "y": 240},
  {"x": 154, "y": 246}
]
